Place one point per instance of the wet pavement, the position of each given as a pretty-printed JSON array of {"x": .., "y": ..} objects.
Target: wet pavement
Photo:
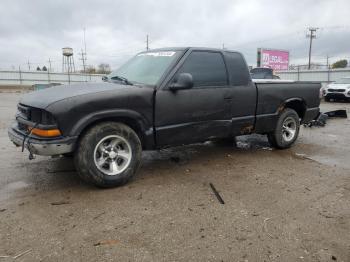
[{"x": 290, "y": 205}]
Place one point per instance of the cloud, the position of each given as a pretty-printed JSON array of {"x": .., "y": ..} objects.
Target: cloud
[{"x": 115, "y": 30}]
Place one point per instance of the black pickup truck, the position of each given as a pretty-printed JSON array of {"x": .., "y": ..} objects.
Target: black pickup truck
[{"x": 159, "y": 98}]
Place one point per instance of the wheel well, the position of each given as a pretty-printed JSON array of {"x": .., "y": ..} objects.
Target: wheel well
[
  {"x": 298, "y": 106},
  {"x": 132, "y": 123}
]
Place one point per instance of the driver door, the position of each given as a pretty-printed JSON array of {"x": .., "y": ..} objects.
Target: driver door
[{"x": 198, "y": 113}]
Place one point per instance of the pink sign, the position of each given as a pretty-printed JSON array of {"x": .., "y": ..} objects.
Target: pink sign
[{"x": 275, "y": 59}]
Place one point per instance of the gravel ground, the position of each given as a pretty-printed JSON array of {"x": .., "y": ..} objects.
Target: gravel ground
[{"x": 291, "y": 205}]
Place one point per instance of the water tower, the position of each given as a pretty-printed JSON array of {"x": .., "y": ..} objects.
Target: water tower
[{"x": 68, "y": 61}]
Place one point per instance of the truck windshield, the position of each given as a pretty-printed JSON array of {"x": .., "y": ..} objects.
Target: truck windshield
[{"x": 145, "y": 68}]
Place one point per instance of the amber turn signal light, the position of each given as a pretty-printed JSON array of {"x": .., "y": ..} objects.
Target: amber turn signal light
[{"x": 45, "y": 133}]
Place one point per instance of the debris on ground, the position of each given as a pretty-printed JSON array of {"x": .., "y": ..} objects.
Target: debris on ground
[
  {"x": 58, "y": 203},
  {"x": 217, "y": 194},
  {"x": 107, "y": 242},
  {"x": 101, "y": 214},
  {"x": 17, "y": 256},
  {"x": 139, "y": 196},
  {"x": 321, "y": 119},
  {"x": 22, "y": 254},
  {"x": 337, "y": 113}
]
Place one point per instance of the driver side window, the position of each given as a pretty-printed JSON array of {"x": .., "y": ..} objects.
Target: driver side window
[{"x": 206, "y": 68}]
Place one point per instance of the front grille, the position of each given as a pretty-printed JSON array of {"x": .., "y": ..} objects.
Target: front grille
[
  {"x": 23, "y": 111},
  {"x": 29, "y": 113},
  {"x": 335, "y": 95},
  {"x": 336, "y": 90},
  {"x": 35, "y": 115}
]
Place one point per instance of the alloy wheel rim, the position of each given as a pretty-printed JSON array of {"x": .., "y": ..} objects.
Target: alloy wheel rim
[
  {"x": 112, "y": 155},
  {"x": 289, "y": 129}
]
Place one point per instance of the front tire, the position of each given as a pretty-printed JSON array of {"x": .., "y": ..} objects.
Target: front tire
[
  {"x": 108, "y": 154},
  {"x": 327, "y": 99},
  {"x": 287, "y": 130}
]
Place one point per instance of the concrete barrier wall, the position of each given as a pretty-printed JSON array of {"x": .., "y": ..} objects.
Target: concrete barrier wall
[
  {"x": 45, "y": 77},
  {"x": 319, "y": 75}
]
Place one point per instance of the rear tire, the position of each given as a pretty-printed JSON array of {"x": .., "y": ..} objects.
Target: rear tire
[
  {"x": 287, "y": 130},
  {"x": 108, "y": 155}
]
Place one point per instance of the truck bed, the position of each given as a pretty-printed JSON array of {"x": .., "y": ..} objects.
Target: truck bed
[{"x": 272, "y": 94}]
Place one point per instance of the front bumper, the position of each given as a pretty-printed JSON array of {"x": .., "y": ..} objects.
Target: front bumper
[{"x": 44, "y": 147}]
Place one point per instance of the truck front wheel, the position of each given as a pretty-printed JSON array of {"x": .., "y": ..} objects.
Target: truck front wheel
[
  {"x": 287, "y": 129},
  {"x": 108, "y": 154}
]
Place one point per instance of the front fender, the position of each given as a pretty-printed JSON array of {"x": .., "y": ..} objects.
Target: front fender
[
  {"x": 109, "y": 115},
  {"x": 144, "y": 128}
]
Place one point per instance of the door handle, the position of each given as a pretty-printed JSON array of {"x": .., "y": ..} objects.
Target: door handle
[{"x": 228, "y": 97}]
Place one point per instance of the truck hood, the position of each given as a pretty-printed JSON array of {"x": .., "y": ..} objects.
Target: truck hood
[{"x": 43, "y": 98}]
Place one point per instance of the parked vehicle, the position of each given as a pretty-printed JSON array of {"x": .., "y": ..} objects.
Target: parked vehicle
[
  {"x": 160, "y": 98},
  {"x": 338, "y": 90},
  {"x": 263, "y": 73}
]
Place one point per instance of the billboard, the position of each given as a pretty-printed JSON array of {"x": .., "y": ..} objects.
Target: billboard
[{"x": 272, "y": 58}]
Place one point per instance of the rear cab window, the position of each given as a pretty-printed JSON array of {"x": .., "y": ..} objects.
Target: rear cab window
[{"x": 237, "y": 68}]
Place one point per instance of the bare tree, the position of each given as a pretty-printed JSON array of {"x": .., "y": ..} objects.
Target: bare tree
[
  {"x": 90, "y": 69},
  {"x": 104, "y": 68}
]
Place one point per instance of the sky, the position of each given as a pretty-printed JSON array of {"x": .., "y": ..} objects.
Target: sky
[{"x": 35, "y": 31}]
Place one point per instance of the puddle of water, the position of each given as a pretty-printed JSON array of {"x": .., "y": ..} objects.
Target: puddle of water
[{"x": 7, "y": 190}]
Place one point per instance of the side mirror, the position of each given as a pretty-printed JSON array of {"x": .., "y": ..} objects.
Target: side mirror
[{"x": 183, "y": 81}]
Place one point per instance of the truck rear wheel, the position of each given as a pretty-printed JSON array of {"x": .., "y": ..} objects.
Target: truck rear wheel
[
  {"x": 287, "y": 129},
  {"x": 108, "y": 155}
]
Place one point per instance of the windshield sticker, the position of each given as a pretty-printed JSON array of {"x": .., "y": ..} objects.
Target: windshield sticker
[{"x": 168, "y": 53}]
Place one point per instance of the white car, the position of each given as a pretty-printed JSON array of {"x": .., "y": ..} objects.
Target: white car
[{"x": 338, "y": 90}]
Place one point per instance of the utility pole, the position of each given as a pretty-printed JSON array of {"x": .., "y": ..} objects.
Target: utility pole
[
  {"x": 50, "y": 68},
  {"x": 147, "y": 43},
  {"x": 28, "y": 63},
  {"x": 84, "y": 41},
  {"x": 83, "y": 59},
  {"x": 328, "y": 69},
  {"x": 83, "y": 53},
  {"x": 327, "y": 61},
  {"x": 20, "y": 74},
  {"x": 312, "y": 35},
  {"x": 223, "y": 45}
]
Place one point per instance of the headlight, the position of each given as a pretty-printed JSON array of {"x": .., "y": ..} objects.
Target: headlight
[{"x": 41, "y": 117}]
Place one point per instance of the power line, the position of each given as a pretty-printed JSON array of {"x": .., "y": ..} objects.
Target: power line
[{"x": 312, "y": 35}]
